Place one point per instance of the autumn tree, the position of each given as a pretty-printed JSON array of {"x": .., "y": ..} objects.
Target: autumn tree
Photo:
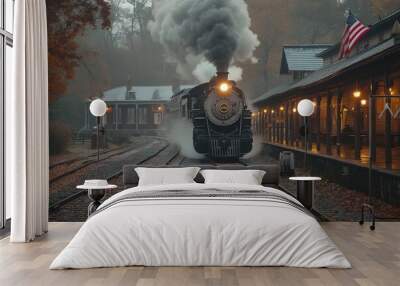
[{"x": 67, "y": 21}]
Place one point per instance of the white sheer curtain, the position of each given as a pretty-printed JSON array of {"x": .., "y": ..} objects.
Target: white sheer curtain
[{"x": 27, "y": 149}]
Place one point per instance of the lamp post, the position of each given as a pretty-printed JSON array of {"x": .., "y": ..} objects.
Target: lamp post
[
  {"x": 98, "y": 108},
  {"x": 305, "y": 108}
]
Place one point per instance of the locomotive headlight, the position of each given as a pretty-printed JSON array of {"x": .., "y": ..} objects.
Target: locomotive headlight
[{"x": 224, "y": 87}]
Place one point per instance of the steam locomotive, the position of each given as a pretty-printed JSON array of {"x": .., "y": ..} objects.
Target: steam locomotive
[{"x": 221, "y": 120}]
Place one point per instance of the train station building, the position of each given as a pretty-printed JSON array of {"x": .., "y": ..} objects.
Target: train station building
[
  {"x": 353, "y": 97},
  {"x": 135, "y": 109}
]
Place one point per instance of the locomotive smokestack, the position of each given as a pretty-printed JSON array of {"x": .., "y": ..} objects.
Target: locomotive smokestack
[{"x": 222, "y": 75}]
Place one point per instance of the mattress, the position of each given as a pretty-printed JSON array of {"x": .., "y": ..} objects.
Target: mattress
[{"x": 201, "y": 225}]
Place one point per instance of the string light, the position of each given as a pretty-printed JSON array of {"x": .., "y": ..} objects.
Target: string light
[
  {"x": 281, "y": 108},
  {"x": 363, "y": 102},
  {"x": 357, "y": 93},
  {"x": 294, "y": 110}
]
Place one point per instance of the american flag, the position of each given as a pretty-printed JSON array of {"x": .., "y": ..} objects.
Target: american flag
[{"x": 353, "y": 32}]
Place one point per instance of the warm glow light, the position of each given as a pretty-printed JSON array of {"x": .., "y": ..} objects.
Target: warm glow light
[
  {"x": 363, "y": 102},
  {"x": 253, "y": 114},
  {"x": 357, "y": 94},
  {"x": 160, "y": 108},
  {"x": 265, "y": 111},
  {"x": 224, "y": 87},
  {"x": 272, "y": 111},
  {"x": 294, "y": 110},
  {"x": 281, "y": 108},
  {"x": 391, "y": 91}
]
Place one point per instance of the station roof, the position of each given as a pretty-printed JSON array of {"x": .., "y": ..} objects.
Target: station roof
[
  {"x": 330, "y": 71},
  {"x": 302, "y": 57},
  {"x": 142, "y": 93}
]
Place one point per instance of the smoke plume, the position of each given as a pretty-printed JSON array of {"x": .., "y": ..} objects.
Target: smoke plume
[
  {"x": 258, "y": 147},
  {"x": 180, "y": 132},
  {"x": 196, "y": 34}
]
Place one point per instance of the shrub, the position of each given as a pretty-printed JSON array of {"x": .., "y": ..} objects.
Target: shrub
[{"x": 60, "y": 136}]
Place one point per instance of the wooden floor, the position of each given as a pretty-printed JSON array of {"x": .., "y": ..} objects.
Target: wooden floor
[{"x": 375, "y": 257}]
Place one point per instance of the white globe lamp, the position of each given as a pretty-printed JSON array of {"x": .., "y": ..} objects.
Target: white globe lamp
[
  {"x": 98, "y": 108},
  {"x": 305, "y": 108}
]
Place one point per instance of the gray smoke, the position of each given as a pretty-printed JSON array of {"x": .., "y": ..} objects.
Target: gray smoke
[
  {"x": 195, "y": 32},
  {"x": 180, "y": 132},
  {"x": 258, "y": 147}
]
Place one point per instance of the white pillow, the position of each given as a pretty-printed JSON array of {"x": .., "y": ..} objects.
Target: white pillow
[
  {"x": 166, "y": 176},
  {"x": 246, "y": 177}
]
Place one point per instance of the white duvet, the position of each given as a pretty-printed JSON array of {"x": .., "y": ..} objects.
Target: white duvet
[{"x": 200, "y": 232}]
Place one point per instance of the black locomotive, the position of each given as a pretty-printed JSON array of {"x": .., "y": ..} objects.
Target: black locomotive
[{"x": 221, "y": 120}]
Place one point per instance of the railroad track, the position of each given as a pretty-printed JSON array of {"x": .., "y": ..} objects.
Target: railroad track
[
  {"x": 83, "y": 158},
  {"x": 85, "y": 162},
  {"x": 161, "y": 154},
  {"x": 81, "y": 162}
]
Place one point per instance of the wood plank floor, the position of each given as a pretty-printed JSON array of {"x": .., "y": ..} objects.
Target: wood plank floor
[{"x": 375, "y": 257}]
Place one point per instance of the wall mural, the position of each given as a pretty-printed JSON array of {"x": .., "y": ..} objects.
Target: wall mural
[{"x": 178, "y": 78}]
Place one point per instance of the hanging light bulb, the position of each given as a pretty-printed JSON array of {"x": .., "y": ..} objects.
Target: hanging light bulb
[{"x": 357, "y": 93}]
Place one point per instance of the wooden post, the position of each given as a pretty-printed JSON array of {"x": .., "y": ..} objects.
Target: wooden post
[
  {"x": 265, "y": 126},
  {"x": 291, "y": 127},
  {"x": 310, "y": 130},
  {"x": 269, "y": 127},
  {"x": 279, "y": 126},
  {"x": 273, "y": 126},
  {"x": 318, "y": 123},
  {"x": 287, "y": 106},
  {"x": 296, "y": 127},
  {"x": 357, "y": 130},
  {"x": 338, "y": 121},
  {"x": 329, "y": 124},
  {"x": 282, "y": 125},
  {"x": 388, "y": 126},
  {"x": 372, "y": 120},
  {"x": 261, "y": 122},
  {"x": 264, "y": 117}
]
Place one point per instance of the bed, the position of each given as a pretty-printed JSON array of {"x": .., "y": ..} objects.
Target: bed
[{"x": 199, "y": 224}]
